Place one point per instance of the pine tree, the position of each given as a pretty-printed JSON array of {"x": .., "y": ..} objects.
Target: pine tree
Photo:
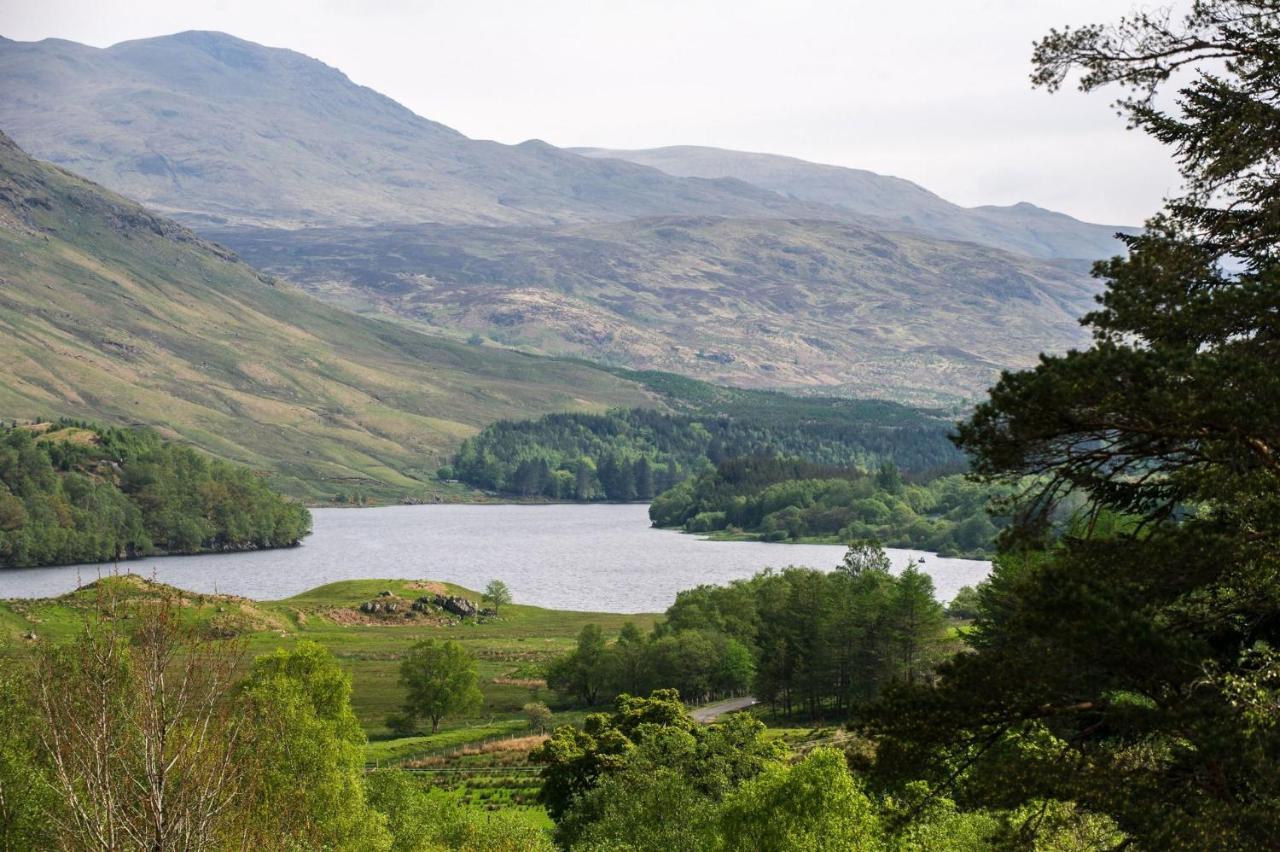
[
  {"x": 643, "y": 477},
  {"x": 1130, "y": 665}
]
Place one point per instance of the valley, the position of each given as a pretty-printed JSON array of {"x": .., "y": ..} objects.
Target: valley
[
  {"x": 371, "y": 486},
  {"x": 109, "y": 312}
]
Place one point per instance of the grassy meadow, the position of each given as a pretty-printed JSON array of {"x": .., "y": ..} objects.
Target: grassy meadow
[{"x": 509, "y": 649}]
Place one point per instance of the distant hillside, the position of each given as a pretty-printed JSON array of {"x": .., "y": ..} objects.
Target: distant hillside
[
  {"x": 1022, "y": 228},
  {"x": 111, "y": 313},
  {"x": 214, "y": 129},
  {"x": 756, "y": 303},
  {"x": 747, "y": 269},
  {"x": 637, "y": 454}
]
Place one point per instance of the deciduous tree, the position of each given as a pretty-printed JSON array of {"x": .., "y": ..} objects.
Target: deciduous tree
[
  {"x": 439, "y": 680},
  {"x": 497, "y": 593}
]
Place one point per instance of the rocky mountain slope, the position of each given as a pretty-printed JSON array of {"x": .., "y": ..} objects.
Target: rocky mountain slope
[
  {"x": 754, "y": 303},
  {"x": 1022, "y": 228},
  {"x": 110, "y": 312}
]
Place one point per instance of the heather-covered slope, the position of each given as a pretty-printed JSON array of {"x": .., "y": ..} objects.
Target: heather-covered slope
[{"x": 754, "y": 303}]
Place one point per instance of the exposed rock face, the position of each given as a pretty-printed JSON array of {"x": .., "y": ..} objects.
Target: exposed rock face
[{"x": 452, "y": 604}]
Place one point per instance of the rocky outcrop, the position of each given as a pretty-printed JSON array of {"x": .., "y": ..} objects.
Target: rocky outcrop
[
  {"x": 458, "y": 606},
  {"x": 387, "y": 604},
  {"x": 374, "y": 607}
]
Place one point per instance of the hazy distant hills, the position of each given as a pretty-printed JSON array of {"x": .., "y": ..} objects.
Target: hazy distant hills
[
  {"x": 750, "y": 269},
  {"x": 772, "y": 303},
  {"x": 1022, "y": 228},
  {"x": 110, "y": 312},
  {"x": 211, "y": 128}
]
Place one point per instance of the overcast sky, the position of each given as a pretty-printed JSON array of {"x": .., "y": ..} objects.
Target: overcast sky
[{"x": 931, "y": 90}]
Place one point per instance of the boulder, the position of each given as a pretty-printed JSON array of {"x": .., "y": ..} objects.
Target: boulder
[{"x": 459, "y": 606}]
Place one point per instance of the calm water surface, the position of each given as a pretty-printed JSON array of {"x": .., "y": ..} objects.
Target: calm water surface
[{"x": 604, "y": 558}]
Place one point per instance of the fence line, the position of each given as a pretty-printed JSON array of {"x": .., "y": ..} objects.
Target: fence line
[{"x": 447, "y": 751}]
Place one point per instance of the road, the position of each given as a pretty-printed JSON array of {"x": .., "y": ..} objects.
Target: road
[{"x": 708, "y": 713}]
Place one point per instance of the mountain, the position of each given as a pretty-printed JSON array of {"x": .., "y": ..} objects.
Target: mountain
[
  {"x": 112, "y": 313},
  {"x": 209, "y": 128},
  {"x": 1022, "y": 228},
  {"x": 754, "y": 303},
  {"x": 776, "y": 273}
]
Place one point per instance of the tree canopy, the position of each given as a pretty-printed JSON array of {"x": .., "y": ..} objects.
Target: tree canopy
[
  {"x": 497, "y": 593},
  {"x": 79, "y": 492},
  {"x": 780, "y": 499},
  {"x": 1129, "y": 665},
  {"x": 439, "y": 679},
  {"x": 637, "y": 453}
]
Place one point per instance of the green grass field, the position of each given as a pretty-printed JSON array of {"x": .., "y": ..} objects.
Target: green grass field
[{"x": 510, "y": 650}]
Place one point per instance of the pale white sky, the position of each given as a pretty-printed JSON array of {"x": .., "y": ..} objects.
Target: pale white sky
[{"x": 931, "y": 90}]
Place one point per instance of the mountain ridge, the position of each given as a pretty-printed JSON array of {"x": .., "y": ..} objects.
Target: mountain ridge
[
  {"x": 287, "y": 160},
  {"x": 219, "y": 131},
  {"x": 211, "y": 128},
  {"x": 1022, "y": 227}
]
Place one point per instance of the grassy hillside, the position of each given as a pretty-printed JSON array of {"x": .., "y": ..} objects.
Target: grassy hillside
[
  {"x": 509, "y": 650},
  {"x": 756, "y": 303},
  {"x": 110, "y": 313}
]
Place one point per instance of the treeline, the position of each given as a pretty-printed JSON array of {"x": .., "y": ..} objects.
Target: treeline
[
  {"x": 805, "y": 641},
  {"x": 637, "y": 453},
  {"x": 703, "y": 665},
  {"x": 79, "y": 492},
  {"x": 789, "y": 499}
]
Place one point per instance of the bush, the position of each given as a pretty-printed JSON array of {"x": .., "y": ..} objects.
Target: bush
[
  {"x": 402, "y": 724},
  {"x": 706, "y": 522}
]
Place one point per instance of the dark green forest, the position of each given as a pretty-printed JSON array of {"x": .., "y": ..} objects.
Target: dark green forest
[
  {"x": 78, "y": 492},
  {"x": 790, "y": 500},
  {"x": 638, "y": 453}
]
